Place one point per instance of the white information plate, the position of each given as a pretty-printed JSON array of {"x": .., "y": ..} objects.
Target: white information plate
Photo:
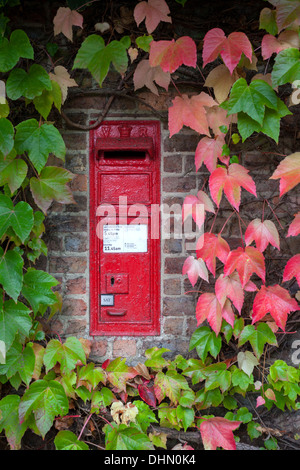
[
  {"x": 125, "y": 238},
  {"x": 107, "y": 300}
]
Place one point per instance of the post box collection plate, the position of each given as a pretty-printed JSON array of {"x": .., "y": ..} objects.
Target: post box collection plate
[{"x": 124, "y": 254}]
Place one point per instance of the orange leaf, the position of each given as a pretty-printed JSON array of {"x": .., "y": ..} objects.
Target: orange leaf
[
  {"x": 288, "y": 171},
  {"x": 274, "y": 300},
  {"x": 230, "y": 180},
  {"x": 145, "y": 75},
  {"x": 231, "y": 287},
  {"x": 262, "y": 233},
  {"x": 209, "y": 308},
  {"x": 208, "y": 151},
  {"x": 230, "y": 49},
  {"x": 270, "y": 44},
  {"x": 65, "y": 19},
  {"x": 209, "y": 247},
  {"x": 292, "y": 269},
  {"x": 153, "y": 11},
  {"x": 246, "y": 262},
  {"x": 217, "y": 432},
  {"x": 190, "y": 112},
  {"x": 294, "y": 228},
  {"x": 172, "y": 54}
]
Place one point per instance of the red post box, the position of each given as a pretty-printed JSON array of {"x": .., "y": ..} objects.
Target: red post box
[{"x": 124, "y": 228}]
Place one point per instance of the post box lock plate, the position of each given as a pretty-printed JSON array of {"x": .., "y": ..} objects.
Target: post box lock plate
[{"x": 117, "y": 283}]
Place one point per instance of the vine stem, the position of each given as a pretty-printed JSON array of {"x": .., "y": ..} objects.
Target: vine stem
[
  {"x": 225, "y": 223},
  {"x": 274, "y": 214},
  {"x": 84, "y": 426},
  {"x": 212, "y": 225}
]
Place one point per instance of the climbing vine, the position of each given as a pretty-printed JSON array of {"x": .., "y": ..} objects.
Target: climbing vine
[{"x": 42, "y": 379}]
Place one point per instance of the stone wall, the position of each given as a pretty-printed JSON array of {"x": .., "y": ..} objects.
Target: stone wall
[{"x": 68, "y": 225}]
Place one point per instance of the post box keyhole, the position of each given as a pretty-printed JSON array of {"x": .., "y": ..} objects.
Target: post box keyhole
[{"x": 112, "y": 281}]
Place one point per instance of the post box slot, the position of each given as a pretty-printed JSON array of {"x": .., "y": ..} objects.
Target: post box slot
[{"x": 124, "y": 154}]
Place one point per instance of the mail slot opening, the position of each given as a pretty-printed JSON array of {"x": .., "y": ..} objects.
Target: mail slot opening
[{"x": 126, "y": 154}]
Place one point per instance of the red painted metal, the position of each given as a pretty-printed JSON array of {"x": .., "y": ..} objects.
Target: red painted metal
[{"x": 124, "y": 178}]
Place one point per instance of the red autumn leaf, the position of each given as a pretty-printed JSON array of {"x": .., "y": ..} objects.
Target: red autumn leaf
[
  {"x": 246, "y": 262},
  {"x": 190, "y": 112},
  {"x": 262, "y": 233},
  {"x": 288, "y": 171},
  {"x": 231, "y": 287},
  {"x": 145, "y": 75},
  {"x": 270, "y": 44},
  {"x": 194, "y": 268},
  {"x": 274, "y": 300},
  {"x": 230, "y": 180},
  {"x": 217, "y": 117},
  {"x": 65, "y": 19},
  {"x": 195, "y": 206},
  {"x": 208, "y": 151},
  {"x": 292, "y": 269},
  {"x": 147, "y": 394},
  {"x": 230, "y": 49},
  {"x": 217, "y": 432},
  {"x": 172, "y": 54},
  {"x": 209, "y": 308},
  {"x": 294, "y": 228},
  {"x": 153, "y": 11},
  {"x": 211, "y": 246}
]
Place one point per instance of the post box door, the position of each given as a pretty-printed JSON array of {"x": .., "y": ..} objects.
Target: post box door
[{"x": 124, "y": 257}]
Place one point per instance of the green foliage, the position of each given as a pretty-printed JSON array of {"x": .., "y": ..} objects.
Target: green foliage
[{"x": 95, "y": 56}]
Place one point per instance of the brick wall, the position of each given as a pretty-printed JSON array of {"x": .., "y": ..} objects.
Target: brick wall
[{"x": 68, "y": 233}]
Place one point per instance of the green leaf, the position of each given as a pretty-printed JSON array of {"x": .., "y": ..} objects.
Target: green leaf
[
  {"x": 11, "y": 50},
  {"x": 155, "y": 359},
  {"x": 4, "y": 109},
  {"x": 19, "y": 217},
  {"x": 6, "y": 136},
  {"x": 44, "y": 400},
  {"x": 66, "y": 354},
  {"x": 118, "y": 373},
  {"x": 217, "y": 376},
  {"x": 187, "y": 398},
  {"x": 102, "y": 399},
  {"x": 45, "y": 101},
  {"x": 19, "y": 364},
  {"x": 143, "y": 42},
  {"x": 51, "y": 185},
  {"x": 14, "y": 318},
  {"x": 12, "y": 171},
  {"x": 39, "y": 141},
  {"x": 241, "y": 379},
  {"x": 37, "y": 288},
  {"x": 67, "y": 440},
  {"x": 251, "y": 99},
  {"x": 31, "y": 84},
  {"x": 11, "y": 272},
  {"x": 96, "y": 57},
  {"x": 91, "y": 376},
  {"x": 145, "y": 415},
  {"x": 170, "y": 385},
  {"x": 205, "y": 341},
  {"x": 194, "y": 370},
  {"x": 257, "y": 337},
  {"x": 124, "y": 437},
  {"x": 286, "y": 68},
  {"x": 186, "y": 416},
  {"x": 9, "y": 421},
  {"x": 267, "y": 21}
]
